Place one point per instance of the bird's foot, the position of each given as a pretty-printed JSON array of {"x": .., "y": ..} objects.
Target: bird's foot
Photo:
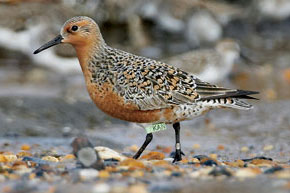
[
  {"x": 136, "y": 156},
  {"x": 177, "y": 155}
]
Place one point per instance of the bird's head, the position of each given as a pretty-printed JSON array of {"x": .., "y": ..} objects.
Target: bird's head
[{"x": 81, "y": 32}]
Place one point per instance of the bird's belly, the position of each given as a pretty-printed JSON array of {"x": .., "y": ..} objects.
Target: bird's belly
[
  {"x": 114, "y": 105},
  {"x": 187, "y": 112}
]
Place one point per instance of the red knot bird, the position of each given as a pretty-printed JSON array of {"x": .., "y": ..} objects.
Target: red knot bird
[
  {"x": 211, "y": 65},
  {"x": 138, "y": 89}
]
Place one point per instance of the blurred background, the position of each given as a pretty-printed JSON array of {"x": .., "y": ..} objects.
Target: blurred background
[{"x": 237, "y": 43}]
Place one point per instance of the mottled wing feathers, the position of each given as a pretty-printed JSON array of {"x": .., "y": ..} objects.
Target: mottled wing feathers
[
  {"x": 149, "y": 84},
  {"x": 208, "y": 91}
]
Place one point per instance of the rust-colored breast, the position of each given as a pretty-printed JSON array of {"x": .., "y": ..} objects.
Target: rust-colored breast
[{"x": 114, "y": 105}]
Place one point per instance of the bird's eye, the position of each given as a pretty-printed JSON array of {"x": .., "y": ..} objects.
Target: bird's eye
[{"x": 74, "y": 28}]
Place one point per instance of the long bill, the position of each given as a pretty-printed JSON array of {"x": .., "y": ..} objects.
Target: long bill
[{"x": 57, "y": 40}]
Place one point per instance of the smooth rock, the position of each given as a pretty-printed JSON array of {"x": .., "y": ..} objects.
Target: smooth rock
[
  {"x": 101, "y": 188},
  {"x": 107, "y": 153},
  {"x": 88, "y": 174}
]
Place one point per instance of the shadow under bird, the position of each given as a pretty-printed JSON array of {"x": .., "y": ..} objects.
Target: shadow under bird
[{"x": 138, "y": 89}]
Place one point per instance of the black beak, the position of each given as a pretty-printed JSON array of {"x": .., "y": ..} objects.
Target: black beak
[{"x": 55, "y": 41}]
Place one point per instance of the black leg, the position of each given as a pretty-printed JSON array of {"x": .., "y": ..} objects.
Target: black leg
[
  {"x": 178, "y": 152},
  {"x": 148, "y": 139}
]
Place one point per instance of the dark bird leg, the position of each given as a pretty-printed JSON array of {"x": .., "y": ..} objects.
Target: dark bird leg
[
  {"x": 178, "y": 152},
  {"x": 148, "y": 139}
]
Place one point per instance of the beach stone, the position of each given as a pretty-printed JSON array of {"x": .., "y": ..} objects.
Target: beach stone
[
  {"x": 140, "y": 188},
  {"x": 132, "y": 163},
  {"x": 244, "y": 149},
  {"x": 247, "y": 172},
  {"x": 219, "y": 171},
  {"x": 50, "y": 159},
  {"x": 153, "y": 156},
  {"x": 268, "y": 147},
  {"x": 101, "y": 188},
  {"x": 209, "y": 162},
  {"x": 200, "y": 157},
  {"x": 107, "y": 153},
  {"x": 273, "y": 170},
  {"x": 8, "y": 158},
  {"x": 88, "y": 174}
]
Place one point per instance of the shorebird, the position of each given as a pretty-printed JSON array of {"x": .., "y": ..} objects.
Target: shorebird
[
  {"x": 138, "y": 89},
  {"x": 210, "y": 65}
]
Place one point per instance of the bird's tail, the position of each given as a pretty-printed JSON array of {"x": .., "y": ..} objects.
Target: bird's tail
[
  {"x": 232, "y": 99},
  {"x": 238, "y": 104}
]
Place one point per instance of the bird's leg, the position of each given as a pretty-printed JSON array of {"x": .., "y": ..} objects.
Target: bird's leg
[
  {"x": 148, "y": 139},
  {"x": 178, "y": 152}
]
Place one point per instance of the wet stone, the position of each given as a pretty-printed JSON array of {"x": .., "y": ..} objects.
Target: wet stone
[
  {"x": 273, "y": 170},
  {"x": 259, "y": 157},
  {"x": 219, "y": 171},
  {"x": 35, "y": 160},
  {"x": 40, "y": 170},
  {"x": 88, "y": 174},
  {"x": 153, "y": 156},
  {"x": 109, "y": 154},
  {"x": 86, "y": 153},
  {"x": 176, "y": 174},
  {"x": 200, "y": 157},
  {"x": 111, "y": 162},
  {"x": 209, "y": 163}
]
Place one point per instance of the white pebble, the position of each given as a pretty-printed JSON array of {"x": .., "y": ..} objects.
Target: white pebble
[{"x": 88, "y": 174}]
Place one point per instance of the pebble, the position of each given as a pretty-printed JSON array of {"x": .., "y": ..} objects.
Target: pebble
[
  {"x": 153, "y": 156},
  {"x": 268, "y": 147},
  {"x": 2, "y": 178},
  {"x": 219, "y": 171},
  {"x": 262, "y": 163},
  {"x": 23, "y": 154},
  {"x": 67, "y": 157},
  {"x": 201, "y": 172},
  {"x": 193, "y": 161},
  {"x": 196, "y": 146},
  {"x": 200, "y": 157},
  {"x": 237, "y": 163},
  {"x": 25, "y": 147},
  {"x": 259, "y": 157},
  {"x": 134, "y": 148},
  {"x": 101, "y": 188},
  {"x": 273, "y": 170},
  {"x": 221, "y": 147},
  {"x": 132, "y": 163},
  {"x": 244, "y": 149},
  {"x": 168, "y": 159},
  {"x": 8, "y": 158},
  {"x": 137, "y": 174},
  {"x": 283, "y": 174},
  {"x": 107, "y": 153},
  {"x": 50, "y": 159},
  {"x": 176, "y": 174},
  {"x": 164, "y": 164},
  {"x": 137, "y": 188},
  {"x": 209, "y": 163},
  {"x": 104, "y": 174},
  {"x": 164, "y": 149},
  {"x": 88, "y": 174},
  {"x": 213, "y": 156},
  {"x": 34, "y": 160},
  {"x": 247, "y": 172}
]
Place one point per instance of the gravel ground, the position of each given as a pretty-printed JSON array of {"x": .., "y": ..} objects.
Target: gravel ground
[{"x": 226, "y": 151}]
